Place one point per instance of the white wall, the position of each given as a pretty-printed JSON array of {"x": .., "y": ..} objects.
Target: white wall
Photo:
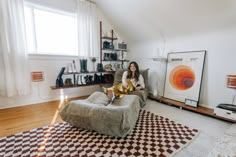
[
  {"x": 141, "y": 52},
  {"x": 220, "y": 61}
]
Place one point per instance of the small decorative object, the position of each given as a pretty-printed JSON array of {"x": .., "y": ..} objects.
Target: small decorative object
[
  {"x": 113, "y": 56},
  {"x": 37, "y": 76},
  {"x": 122, "y": 46},
  {"x": 102, "y": 78},
  {"x": 231, "y": 81},
  {"x": 106, "y": 57},
  {"x": 78, "y": 80},
  {"x": 191, "y": 102},
  {"x": 69, "y": 68},
  {"x": 106, "y": 45},
  {"x": 83, "y": 65},
  {"x": 93, "y": 59},
  {"x": 108, "y": 67},
  {"x": 183, "y": 76},
  {"x": 68, "y": 82},
  {"x": 96, "y": 79},
  {"x": 74, "y": 67},
  {"x": 81, "y": 80},
  {"x": 111, "y": 46},
  {"x": 59, "y": 81},
  {"x": 88, "y": 79},
  {"x": 99, "y": 67}
]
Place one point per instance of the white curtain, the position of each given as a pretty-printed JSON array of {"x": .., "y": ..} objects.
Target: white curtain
[
  {"x": 15, "y": 75},
  {"x": 88, "y": 29}
]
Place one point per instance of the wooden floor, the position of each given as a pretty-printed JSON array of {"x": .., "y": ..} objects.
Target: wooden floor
[{"x": 18, "y": 119}]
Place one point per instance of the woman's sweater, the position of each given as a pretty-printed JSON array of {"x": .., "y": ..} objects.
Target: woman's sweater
[{"x": 134, "y": 82}]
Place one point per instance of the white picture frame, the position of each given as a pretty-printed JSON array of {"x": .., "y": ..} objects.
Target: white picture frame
[
  {"x": 184, "y": 75},
  {"x": 190, "y": 102}
]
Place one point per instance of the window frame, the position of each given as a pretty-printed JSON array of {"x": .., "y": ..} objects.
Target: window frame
[{"x": 35, "y": 52}]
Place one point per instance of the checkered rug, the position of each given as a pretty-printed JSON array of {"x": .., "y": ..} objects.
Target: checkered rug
[{"x": 152, "y": 136}]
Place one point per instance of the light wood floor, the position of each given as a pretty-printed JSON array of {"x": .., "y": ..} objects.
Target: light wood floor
[{"x": 24, "y": 118}]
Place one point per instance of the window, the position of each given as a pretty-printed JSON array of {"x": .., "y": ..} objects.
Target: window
[{"x": 50, "y": 31}]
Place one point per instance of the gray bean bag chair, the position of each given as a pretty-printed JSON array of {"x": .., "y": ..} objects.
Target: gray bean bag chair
[{"x": 95, "y": 113}]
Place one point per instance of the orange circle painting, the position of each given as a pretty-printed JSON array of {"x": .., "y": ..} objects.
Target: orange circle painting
[{"x": 182, "y": 77}]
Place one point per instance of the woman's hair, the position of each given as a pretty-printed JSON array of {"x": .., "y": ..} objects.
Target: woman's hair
[{"x": 136, "y": 74}]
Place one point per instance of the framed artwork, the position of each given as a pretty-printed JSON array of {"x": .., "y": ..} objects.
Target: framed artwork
[{"x": 184, "y": 76}]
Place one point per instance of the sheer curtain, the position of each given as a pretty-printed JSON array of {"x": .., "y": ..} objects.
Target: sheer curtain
[
  {"x": 88, "y": 34},
  {"x": 15, "y": 75}
]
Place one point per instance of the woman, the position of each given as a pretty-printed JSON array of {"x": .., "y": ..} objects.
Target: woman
[{"x": 131, "y": 80}]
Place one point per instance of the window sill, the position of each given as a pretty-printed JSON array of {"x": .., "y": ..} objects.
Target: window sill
[{"x": 51, "y": 57}]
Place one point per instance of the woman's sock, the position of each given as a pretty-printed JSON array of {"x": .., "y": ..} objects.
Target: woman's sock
[{"x": 113, "y": 97}]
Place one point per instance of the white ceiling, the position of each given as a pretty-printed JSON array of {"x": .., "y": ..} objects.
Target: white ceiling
[{"x": 148, "y": 19}]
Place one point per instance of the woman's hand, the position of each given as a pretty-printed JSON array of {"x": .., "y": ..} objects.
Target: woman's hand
[{"x": 125, "y": 84}]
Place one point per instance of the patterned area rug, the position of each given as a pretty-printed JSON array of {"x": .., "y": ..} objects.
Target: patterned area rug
[{"x": 152, "y": 136}]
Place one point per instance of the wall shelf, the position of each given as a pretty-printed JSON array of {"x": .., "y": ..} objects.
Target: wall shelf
[
  {"x": 83, "y": 85},
  {"x": 158, "y": 58},
  {"x": 116, "y": 60},
  {"x": 200, "y": 109},
  {"x": 109, "y": 38},
  {"x": 90, "y": 72},
  {"x": 76, "y": 86},
  {"x": 105, "y": 49}
]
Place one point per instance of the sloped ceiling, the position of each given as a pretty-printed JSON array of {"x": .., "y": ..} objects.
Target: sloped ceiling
[{"x": 149, "y": 19}]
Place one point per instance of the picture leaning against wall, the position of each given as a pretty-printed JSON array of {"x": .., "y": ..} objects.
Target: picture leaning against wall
[{"x": 184, "y": 75}]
